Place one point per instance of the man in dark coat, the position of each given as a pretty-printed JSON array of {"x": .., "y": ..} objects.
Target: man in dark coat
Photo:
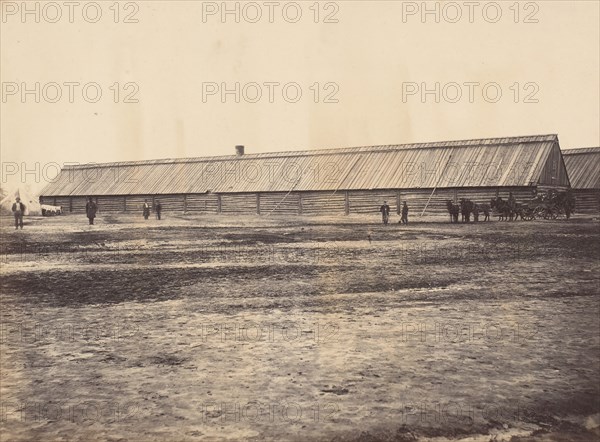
[
  {"x": 404, "y": 218},
  {"x": 569, "y": 204},
  {"x": 90, "y": 210},
  {"x": 385, "y": 212},
  {"x": 158, "y": 208},
  {"x": 146, "y": 209},
  {"x": 18, "y": 209},
  {"x": 512, "y": 202}
]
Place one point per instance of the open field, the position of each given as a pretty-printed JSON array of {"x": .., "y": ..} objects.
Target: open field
[{"x": 216, "y": 328}]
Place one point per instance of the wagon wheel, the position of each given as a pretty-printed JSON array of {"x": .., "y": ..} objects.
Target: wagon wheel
[
  {"x": 528, "y": 215},
  {"x": 552, "y": 213},
  {"x": 559, "y": 213},
  {"x": 544, "y": 212},
  {"x": 539, "y": 212}
]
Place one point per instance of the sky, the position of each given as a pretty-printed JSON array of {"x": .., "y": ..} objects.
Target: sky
[{"x": 118, "y": 81}]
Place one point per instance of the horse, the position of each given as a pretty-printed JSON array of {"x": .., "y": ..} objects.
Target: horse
[
  {"x": 466, "y": 208},
  {"x": 504, "y": 211},
  {"x": 476, "y": 212},
  {"x": 453, "y": 210},
  {"x": 485, "y": 208},
  {"x": 518, "y": 211}
]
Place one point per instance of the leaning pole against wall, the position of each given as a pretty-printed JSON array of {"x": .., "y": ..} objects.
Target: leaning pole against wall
[{"x": 436, "y": 185}]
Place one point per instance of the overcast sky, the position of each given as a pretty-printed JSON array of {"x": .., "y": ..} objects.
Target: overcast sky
[{"x": 364, "y": 62}]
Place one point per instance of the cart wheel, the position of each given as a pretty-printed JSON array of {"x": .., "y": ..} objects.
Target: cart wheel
[{"x": 539, "y": 212}]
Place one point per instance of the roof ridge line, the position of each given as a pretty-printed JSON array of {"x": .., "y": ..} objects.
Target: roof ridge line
[
  {"x": 326, "y": 151},
  {"x": 580, "y": 150}
]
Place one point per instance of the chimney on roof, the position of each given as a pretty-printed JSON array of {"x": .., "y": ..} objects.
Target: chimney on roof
[{"x": 239, "y": 150}]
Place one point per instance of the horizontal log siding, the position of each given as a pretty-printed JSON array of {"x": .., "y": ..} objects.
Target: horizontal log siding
[
  {"x": 312, "y": 203},
  {"x": 63, "y": 201},
  {"x": 170, "y": 203},
  {"x": 417, "y": 200},
  {"x": 49, "y": 200},
  {"x": 202, "y": 203},
  {"x": 588, "y": 201},
  {"x": 323, "y": 203},
  {"x": 279, "y": 203},
  {"x": 238, "y": 203},
  {"x": 483, "y": 195},
  {"x": 135, "y": 203},
  {"x": 111, "y": 204},
  {"x": 78, "y": 204},
  {"x": 361, "y": 201}
]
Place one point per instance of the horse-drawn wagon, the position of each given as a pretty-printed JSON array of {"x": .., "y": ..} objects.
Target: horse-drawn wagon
[{"x": 551, "y": 204}]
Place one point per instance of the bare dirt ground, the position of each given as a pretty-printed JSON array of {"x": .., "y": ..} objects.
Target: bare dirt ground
[{"x": 333, "y": 329}]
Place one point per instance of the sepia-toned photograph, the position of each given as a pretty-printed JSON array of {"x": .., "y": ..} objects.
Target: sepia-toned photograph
[{"x": 300, "y": 221}]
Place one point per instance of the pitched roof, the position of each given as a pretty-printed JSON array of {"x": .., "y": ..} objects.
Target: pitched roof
[
  {"x": 583, "y": 167},
  {"x": 514, "y": 161}
]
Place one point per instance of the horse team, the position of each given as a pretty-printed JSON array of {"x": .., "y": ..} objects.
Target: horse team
[
  {"x": 509, "y": 210},
  {"x": 467, "y": 208}
]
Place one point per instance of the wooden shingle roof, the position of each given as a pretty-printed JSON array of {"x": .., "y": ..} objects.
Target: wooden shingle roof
[
  {"x": 513, "y": 161},
  {"x": 583, "y": 167}
]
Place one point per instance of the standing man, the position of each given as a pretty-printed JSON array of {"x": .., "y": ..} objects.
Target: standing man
[
  {"x": 512, "y": 205},
  {"x": 18, "y": 209},
  {"x": 512, "y": 202},
  {"x": 569, "y": 204},
  {"x": 385, "y": 212},
  {"x": 158, "y": 209},
  {"x": 404, "y": 218},
  {"x": 146, "y": 209},
  {"x": 90, "y": 210}
]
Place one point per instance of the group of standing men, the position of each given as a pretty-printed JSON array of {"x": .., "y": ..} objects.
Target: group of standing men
[
  {"x": 91, "y": 208},
  {"x": 147, "y": 207},
  {"x": 385, "y": 213}
]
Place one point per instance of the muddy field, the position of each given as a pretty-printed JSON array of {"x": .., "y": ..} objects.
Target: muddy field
[{"x": 212, "y": 329}]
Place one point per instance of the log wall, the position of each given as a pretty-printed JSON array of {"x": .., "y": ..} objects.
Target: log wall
[
  {"x": 279, "y": 203},
  {"x": 78, "y": 204},
  {"x": 238, "y": 203},
  {"x": 588, "y": 201},
  {"x": 419, "y": 199},
  {"x": 311, "y": 203},
  {"x": 323, "y": 203},
  {"x": 135, "y": 203},
  {"x": 169, "y": 203},
  {"x": 202, "y": 203},
  {"x": 111, "y": 204},
  {"x": 365, "y": 201}
]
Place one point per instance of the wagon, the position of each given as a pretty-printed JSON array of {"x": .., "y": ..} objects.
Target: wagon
[
  {"x": 528, "y": 213},
  {"x": 548, "y": 211},
  {"x": 548, "y": 205}
]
